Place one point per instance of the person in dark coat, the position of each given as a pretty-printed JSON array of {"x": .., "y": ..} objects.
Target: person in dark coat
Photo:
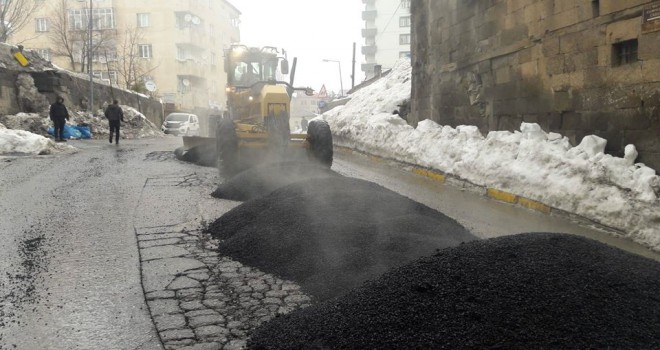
[
  {"x": 59, "y": 115},
  {"x": 303, "y": 124},
  {"x": 115, "y": 114}
]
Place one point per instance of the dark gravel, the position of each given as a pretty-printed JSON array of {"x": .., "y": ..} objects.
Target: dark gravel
[
  {"x": 332, "y": 234},
  {"x": 527, "y": 291},
  {"x": 263, "y": 179}
]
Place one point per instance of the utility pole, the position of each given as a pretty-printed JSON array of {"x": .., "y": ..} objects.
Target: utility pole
[
  {"x": 353, "y": 70},
  {"x": 89, "y": 58}
]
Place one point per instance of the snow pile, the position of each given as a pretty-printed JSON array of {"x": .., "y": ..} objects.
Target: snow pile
[
  {"x": 531, "y": 163},
  {"x": 25, "y": 142},
  {"x": 136, "y": 125},
  {"x": 32, "y": 122}
]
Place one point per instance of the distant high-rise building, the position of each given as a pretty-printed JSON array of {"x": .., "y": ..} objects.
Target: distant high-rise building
[
  {"x": 386, "y": 34},
  {"x": 172, "y": 47}
]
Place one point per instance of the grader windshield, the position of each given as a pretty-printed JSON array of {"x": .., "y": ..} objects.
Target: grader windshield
[{"x": 250, "y": 65}]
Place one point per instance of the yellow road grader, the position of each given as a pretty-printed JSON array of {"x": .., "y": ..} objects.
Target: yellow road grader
[{"x": 255, "y": 126}]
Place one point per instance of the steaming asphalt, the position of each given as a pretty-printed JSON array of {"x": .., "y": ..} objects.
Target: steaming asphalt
[{"x": 101, "y": 249}]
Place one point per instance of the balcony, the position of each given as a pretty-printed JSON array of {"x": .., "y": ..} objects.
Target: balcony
[
  {"x": 191, "y": 68},
  {"x": 369, "y": 50},
  {"x": 369, "y": 15},
  {"x": 369, "y": 32},
  {"x": 190, "y": 36},
  {"x": 368, "y": 67}
]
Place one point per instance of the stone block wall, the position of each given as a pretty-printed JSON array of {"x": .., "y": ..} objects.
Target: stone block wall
[
  {"x": 497, "y": 63},
  {"x": 73, "y": 89}
]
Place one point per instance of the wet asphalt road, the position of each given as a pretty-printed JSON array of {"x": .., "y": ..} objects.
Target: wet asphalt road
[
  {"x": 73, "y": 272},
  {"x": 484, "y": 217}
]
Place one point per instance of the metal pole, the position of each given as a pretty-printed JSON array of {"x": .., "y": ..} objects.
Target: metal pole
[
  {"x": 353, "y": 69},
  {"x": 341, "y": 83},
  {"x": 89, "y": 59}
]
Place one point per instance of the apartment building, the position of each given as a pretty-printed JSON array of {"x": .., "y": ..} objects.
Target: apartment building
[
  {"x": 171, "y": 49},
  {"x": 386, "y": 34}
]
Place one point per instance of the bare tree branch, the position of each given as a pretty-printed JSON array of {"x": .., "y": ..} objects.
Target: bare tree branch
[
  {"x": 130, "y": 66},
  {"x": 73, "y": 43},
  {"x": 14, "y": 15},
  {"x": 63, "y": 39}
]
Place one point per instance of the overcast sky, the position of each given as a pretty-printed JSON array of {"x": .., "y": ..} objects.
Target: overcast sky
[{"x": 311, "y": 30}]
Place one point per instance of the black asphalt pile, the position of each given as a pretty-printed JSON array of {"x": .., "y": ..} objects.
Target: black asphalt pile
[
  {"x": 332, "y": 234},
  {"x": 528, "y": 291},
  {"x": 203, "y": 155},
  {"x": 264, "y": 179}
]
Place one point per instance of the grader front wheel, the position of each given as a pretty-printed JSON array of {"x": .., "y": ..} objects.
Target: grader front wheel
[{"x": 319, "y": 139}]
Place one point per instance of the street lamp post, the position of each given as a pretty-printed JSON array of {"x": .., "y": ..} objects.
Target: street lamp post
[{"x": 341, "y": 83}]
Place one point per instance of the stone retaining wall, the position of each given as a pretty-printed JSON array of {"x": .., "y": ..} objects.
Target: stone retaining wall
[{"x": 495, "y": 64}]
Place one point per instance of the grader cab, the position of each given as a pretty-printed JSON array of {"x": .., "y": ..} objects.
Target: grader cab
[{"x": 255, "y": 127}]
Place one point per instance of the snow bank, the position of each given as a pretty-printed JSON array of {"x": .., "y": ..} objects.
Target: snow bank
[
  {"x": 531, "y": 163},
  {"x": 25, "y": 142}
]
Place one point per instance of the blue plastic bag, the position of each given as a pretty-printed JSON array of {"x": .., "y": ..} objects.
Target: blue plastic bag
[
  {"x": 85, "y": 132},
  {"x": 51, "y": 131},
  {"x": 71, "y": 133}
]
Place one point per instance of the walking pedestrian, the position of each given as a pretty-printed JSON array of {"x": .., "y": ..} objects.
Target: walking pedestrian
[
  {"x": 59, "y": 115},
  {"x": 303, "y": 124},
  {"x": 114, "y": 114}
]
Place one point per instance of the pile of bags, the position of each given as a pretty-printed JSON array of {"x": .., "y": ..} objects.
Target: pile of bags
[{"x": 74, "y": 132}]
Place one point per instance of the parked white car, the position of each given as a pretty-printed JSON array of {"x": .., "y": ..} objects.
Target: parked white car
[{"x": 181, "y": 124}]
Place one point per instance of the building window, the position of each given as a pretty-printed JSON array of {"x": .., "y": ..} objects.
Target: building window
[
  {"x": 405, "y": 4},
  {"x": 44, "y": 53},
  {"x": 106, "y": 55},
  {"x": 143, "y": 20},
  {"x": 145, "y": 50},
  {"x": 595, "y": 8},
  {"x": 76, "y": 20},
  {"x": 235, "y": 22},
  {"x": 624, "y": 52},
  {"x": 107, "y": 76},
  {"x": 42, "y": 24},
  {"x": 404, "y": 54},
  {"x": 214, "y": 59},
  {"x": 103, "y": 19},
  {"x": 404, "y": 21},
  {"x": 404, "y": 39},
  {"x": 181, "y": 53}
]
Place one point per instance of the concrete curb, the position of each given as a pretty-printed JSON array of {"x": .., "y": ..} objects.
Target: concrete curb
[{"x": 493, "y": 193}]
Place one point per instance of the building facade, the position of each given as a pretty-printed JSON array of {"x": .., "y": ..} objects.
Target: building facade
[
  {"x": 170, "y": 49},
  {"x": 386, "y": 34},
  {"x": 577, "y": 67}
]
